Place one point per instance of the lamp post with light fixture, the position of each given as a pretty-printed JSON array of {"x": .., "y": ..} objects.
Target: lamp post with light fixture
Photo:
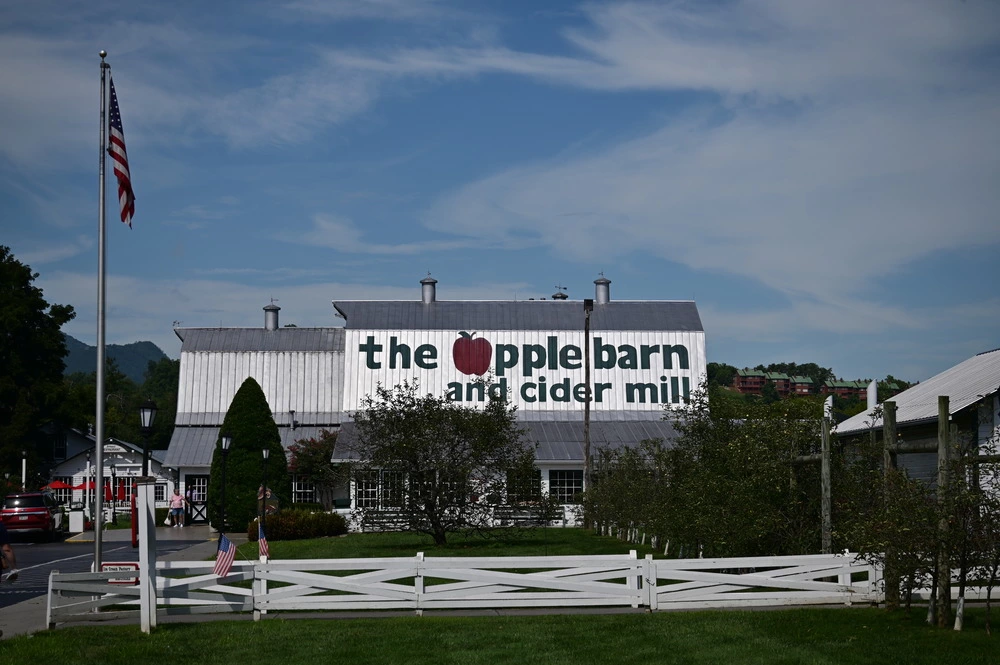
[
  {"x": 147, "y": 414},
  {"x": 114, "y": 495},
  {"x": 86, "y": 490},
  {"x": 226, "y": 441},
  {"x": 263, "y": 498}
]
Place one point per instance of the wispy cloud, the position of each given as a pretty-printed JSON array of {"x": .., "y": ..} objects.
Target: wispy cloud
[
  {"x": 383, "y": 10},
  {"x": 342, "y": 234},
  {"x": 39, "y": 256}
]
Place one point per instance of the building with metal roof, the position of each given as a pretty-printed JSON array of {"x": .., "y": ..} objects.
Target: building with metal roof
[
  {"x": 641, "y": 357},
  {"x": 973, "y": 403}
]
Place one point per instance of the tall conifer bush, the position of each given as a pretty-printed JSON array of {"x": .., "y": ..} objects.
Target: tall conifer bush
[{"x": 252, "y": 428}]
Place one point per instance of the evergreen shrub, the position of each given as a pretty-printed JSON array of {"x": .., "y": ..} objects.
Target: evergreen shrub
[
  {"x": 299, "y": 525},
  {"x": 248, "y": 421}
]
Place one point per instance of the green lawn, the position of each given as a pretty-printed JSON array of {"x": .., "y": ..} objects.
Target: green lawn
[
  {"x": 840, "y": 636},
  {"x": 834, "y": 636}
]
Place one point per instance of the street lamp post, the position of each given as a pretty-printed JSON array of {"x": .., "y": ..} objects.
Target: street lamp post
[
  {"x": 24, "y": 470},
  {"x": 114, "y": 495},
  {"x": 86, "y": 490},
  {"x": 226, "y": 442},
  {"x": 147, "y": 414},
  {"x": 263, "y": 498}
]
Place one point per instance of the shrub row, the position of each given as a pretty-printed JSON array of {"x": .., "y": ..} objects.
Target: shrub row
[{"x": 298, "y": 525}]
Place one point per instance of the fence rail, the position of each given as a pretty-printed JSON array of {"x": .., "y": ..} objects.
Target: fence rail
[{"x": 418, "y": 583}]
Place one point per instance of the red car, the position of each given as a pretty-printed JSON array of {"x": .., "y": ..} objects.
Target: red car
[{"x": 34, "y": 513}]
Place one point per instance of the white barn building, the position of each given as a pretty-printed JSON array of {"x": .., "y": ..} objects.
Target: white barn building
[{"x": 644, "y": 355}]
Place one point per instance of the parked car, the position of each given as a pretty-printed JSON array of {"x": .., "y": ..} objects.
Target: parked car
[{"x": 34, "y": 513}]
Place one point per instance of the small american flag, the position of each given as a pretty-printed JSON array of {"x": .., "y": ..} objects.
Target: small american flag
[
  {"x": 225, "y": 556},
  {"x": 116, "y": 148},
  {"x": 262, "y": 541}
]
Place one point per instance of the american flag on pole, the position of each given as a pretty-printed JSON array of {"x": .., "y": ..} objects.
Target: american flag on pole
[
  {"x": 262, "y": 541},
  {"x": 116, "y": 148},
  {"x": 225, "y": 556}
]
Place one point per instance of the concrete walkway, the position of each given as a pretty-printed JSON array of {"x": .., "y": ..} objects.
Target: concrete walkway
[{"x": 29, "y": 616}]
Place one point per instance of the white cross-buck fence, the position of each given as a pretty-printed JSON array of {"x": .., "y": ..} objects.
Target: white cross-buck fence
[{"x": 418, "y": 583}]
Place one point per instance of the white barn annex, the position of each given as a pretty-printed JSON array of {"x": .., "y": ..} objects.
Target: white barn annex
[{"x": 644, "y": 355}]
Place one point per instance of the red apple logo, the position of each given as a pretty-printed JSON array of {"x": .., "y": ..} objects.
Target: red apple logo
[{"x": 472, "y": 356}]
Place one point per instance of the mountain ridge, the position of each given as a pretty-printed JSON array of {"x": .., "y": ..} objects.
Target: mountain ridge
[{"x": 131, "y": 359}]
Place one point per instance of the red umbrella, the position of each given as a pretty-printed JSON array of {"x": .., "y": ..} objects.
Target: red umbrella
[
  {"x": 89, "y": 485},
  {"x": 58, "y": 485}
]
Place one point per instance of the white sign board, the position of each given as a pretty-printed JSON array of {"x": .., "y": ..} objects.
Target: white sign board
[
  {"x": 122, "y": 566},
  {"x": 536, "y": 370}
]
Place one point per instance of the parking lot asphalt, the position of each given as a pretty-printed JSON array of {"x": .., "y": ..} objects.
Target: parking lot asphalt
[{"x": 28, "y": 616}]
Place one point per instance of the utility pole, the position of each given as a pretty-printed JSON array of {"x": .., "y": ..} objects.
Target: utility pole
[
  {"x": 891, "y": 570},
  {"x": 943, "y": 560}
]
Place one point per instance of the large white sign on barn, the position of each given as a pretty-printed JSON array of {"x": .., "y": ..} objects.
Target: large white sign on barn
[{"x": 537, "y": 370}]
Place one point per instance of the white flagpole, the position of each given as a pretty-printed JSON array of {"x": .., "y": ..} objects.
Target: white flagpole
[{"x": 98, "y": 517}]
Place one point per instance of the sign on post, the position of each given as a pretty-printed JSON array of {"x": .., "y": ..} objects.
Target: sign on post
[{"x": 122, "y": 566}]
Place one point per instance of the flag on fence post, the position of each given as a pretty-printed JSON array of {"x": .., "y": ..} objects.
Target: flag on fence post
[
  {"x": 225, "y": 556},
  {"x": 262, "y": 541},
  {"x": 116, "y": 148}
]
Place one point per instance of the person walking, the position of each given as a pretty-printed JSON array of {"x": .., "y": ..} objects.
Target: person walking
[
  {"x": 9, "y": 561},
  {"x": 177, "y": 508}
]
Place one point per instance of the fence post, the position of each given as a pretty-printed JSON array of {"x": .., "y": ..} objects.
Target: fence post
[
  {"x": 147, "y": 554},
  {"x": 259, "y": 590},
  {"x": 633, "y": 581},
  {"x": 844, "y": 580},
  {"x": 418, "y": 582},
  {"x": 650, "y": 574},
  {"x": 49, "y": 623},
  {"x": 876, "y": 588}
]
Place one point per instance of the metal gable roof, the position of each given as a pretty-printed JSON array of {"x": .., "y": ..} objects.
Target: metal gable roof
[
  {"x": 965, "y": 384},
  {"x": 194, "y": 446},
  {"x": 260, "y": 339},
  {"x": 557, "y": 441},
  {"x": 666, "y": 315}
]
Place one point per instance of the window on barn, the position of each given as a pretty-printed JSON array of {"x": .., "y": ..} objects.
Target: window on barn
[
  {"x": 565, "y": 486},
  {"x": 366, "y": 489},
  {"x": 392, "y": 489},
  {"x": 159, "y": 492},
  {"x": 303, "y": 490},
  {"x": 522, "y": 490}
]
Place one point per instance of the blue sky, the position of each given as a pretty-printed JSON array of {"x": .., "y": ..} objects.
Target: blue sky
[{"x": 820, "y": 177}]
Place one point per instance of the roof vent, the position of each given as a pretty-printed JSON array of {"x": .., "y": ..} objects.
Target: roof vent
[
  {"x": 560, "y": 293},
  {"x": 271, "y": 316},
  {"x": 603, "y": 290},
  {"x": 428, "y": 292}
]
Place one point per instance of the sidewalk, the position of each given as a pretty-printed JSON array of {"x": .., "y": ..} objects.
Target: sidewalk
[{"x": 29, "y": 616}]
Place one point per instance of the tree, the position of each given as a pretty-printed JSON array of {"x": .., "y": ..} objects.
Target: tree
[
  {"x": 32, "y": 349},
  {"x": 248, "y": 421},
  {"x": 437, "y": 466},
  {"x": 161, "y": 385},
  {"x": 310, "y": 458},
  {"x": 733, "y": 489},
  {"x": 819, "y": 375},
  {"x": 721, "y": 374}
]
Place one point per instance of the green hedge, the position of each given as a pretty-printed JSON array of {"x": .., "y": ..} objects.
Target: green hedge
[{"x": 298, "y": 525}]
